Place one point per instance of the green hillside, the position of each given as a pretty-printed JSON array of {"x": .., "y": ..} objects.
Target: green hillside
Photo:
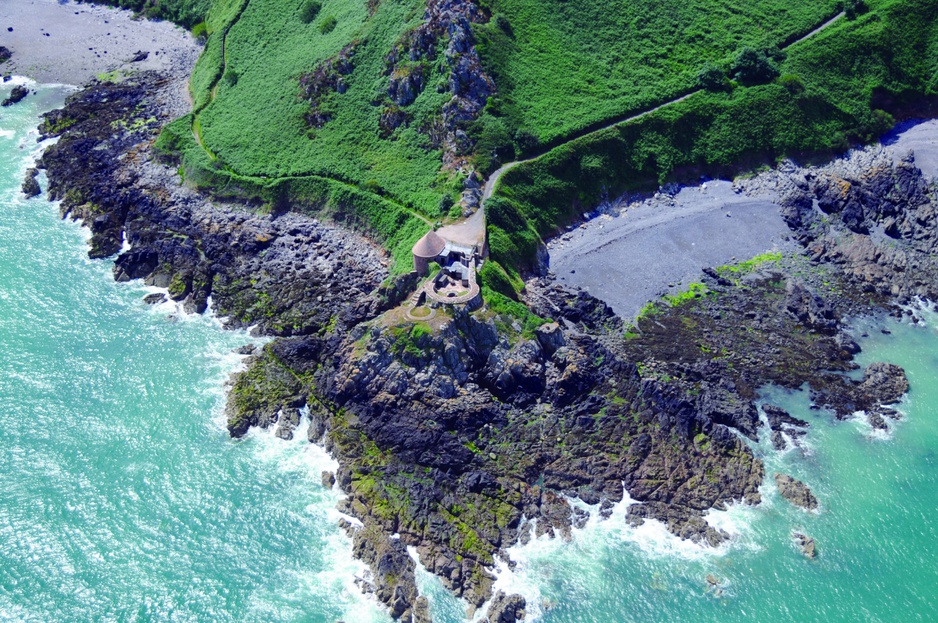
[
  {"x": 562, "y": 65},
  {"x": 256, "y": 126},
  {"x": 299, "y": 100},
  {"x": 835, "y": 88}
]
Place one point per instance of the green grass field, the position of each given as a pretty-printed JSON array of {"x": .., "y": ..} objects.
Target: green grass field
[
  {"x": 565, "y": 65},
  {"x": 256, "y": 126}
]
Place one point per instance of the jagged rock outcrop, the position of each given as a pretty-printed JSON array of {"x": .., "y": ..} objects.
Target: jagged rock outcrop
[
  {"x": 780, "y": 421},
  {"x": 808, "y": 308},
  {"x": 392, "y": 569},
  {"x": 284, "y": 273},
  {"x": 872, "y": 218},
  {"x": 456, "y": 438},
  {"x": 30, "y": 184},
  {"x": 326, "y": 78},
  {"x": 409, "y": 71},
  {"x": 506, "y": 608}
]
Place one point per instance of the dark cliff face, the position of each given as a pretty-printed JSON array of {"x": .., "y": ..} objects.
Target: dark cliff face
[
  {"x": 465, "y": 439},
  {"x": 466, "y": 434},
  {"x": 287, "y": 274}
]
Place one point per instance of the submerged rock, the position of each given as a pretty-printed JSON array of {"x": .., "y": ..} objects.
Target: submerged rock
[
  {"x": 247, "y": 349},
  {"x": 795, "y": 492},
  {"x": 806, "y": 543},
  {"x": 714, "y": 585}
]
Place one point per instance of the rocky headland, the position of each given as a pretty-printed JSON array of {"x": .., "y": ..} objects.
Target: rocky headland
[{"x": 466, "y": 433}]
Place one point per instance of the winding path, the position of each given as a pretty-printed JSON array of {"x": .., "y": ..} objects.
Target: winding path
[
  {"x": 493, "y": 179},
  {"x": 473, "y": 227}
]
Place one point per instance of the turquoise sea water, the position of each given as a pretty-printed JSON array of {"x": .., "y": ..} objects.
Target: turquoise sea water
[{"x": 122, "y": 498}]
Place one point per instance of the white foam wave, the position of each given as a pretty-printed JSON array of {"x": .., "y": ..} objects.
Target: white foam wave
[
  {"x": 593, "y": 545},
  {"x": 341, "y": 571},
  {"x": 862, "y": 424},
  {"x": 24, "y": 81}
]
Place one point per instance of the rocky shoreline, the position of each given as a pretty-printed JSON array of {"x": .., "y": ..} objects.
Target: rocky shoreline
[{"x": 465, "y": 434}]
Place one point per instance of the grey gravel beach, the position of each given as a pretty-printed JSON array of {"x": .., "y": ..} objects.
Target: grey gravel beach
[
  {"x": 918, "y": 137},
  {"x": 660, "y": 245},
  {"x": 63, "y": 42},
  {"x": 637, "y": 252}
]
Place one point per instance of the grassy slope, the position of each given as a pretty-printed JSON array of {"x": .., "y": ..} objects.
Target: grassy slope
[
  {"x": 846, "y": 71},
  {"x": 269, "y": 48},
  {"x": 254, "y": 119},
  {"x": 571, "y": 64},
  {"x": 563, "y": 67}
]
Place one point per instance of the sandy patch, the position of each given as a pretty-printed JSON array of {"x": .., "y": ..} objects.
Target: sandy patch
[
  {"x": 919, "y": 137},
  {"x": 60, "y": 41}
]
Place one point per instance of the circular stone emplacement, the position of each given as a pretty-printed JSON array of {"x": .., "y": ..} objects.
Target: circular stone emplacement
[{"x": 421, "y": 312}]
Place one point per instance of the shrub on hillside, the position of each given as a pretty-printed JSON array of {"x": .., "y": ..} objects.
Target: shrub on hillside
[
  {"x": 494, "y": 143},
  {"x": 231, "y": 77},
  {"x": 328, "y": 25},
  {"x": 493, "y": 277},
  {"x": 854, "y": 8},
  {"x": 504, "y": 25},
  {"x": 792, "y": 84},
  {"x": 712, "y": 77},
  {"x": 309, "y": 11},
  {"x": 752, "y": 66},
  {"x": 200, "y": 32},
  {"x": 525, "y": 142}
]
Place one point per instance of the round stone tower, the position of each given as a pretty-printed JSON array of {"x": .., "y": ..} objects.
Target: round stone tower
[{"x": 426, "y": 250}]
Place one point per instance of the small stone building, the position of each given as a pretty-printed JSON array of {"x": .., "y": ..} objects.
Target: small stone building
[{"x": 456, "y": 283}]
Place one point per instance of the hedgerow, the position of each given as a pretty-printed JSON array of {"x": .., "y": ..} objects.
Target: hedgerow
[{"x": 187, "y": 13}]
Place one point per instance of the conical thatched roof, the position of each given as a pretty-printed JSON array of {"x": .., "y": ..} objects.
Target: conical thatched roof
[{"x": 429, "y": 246}]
